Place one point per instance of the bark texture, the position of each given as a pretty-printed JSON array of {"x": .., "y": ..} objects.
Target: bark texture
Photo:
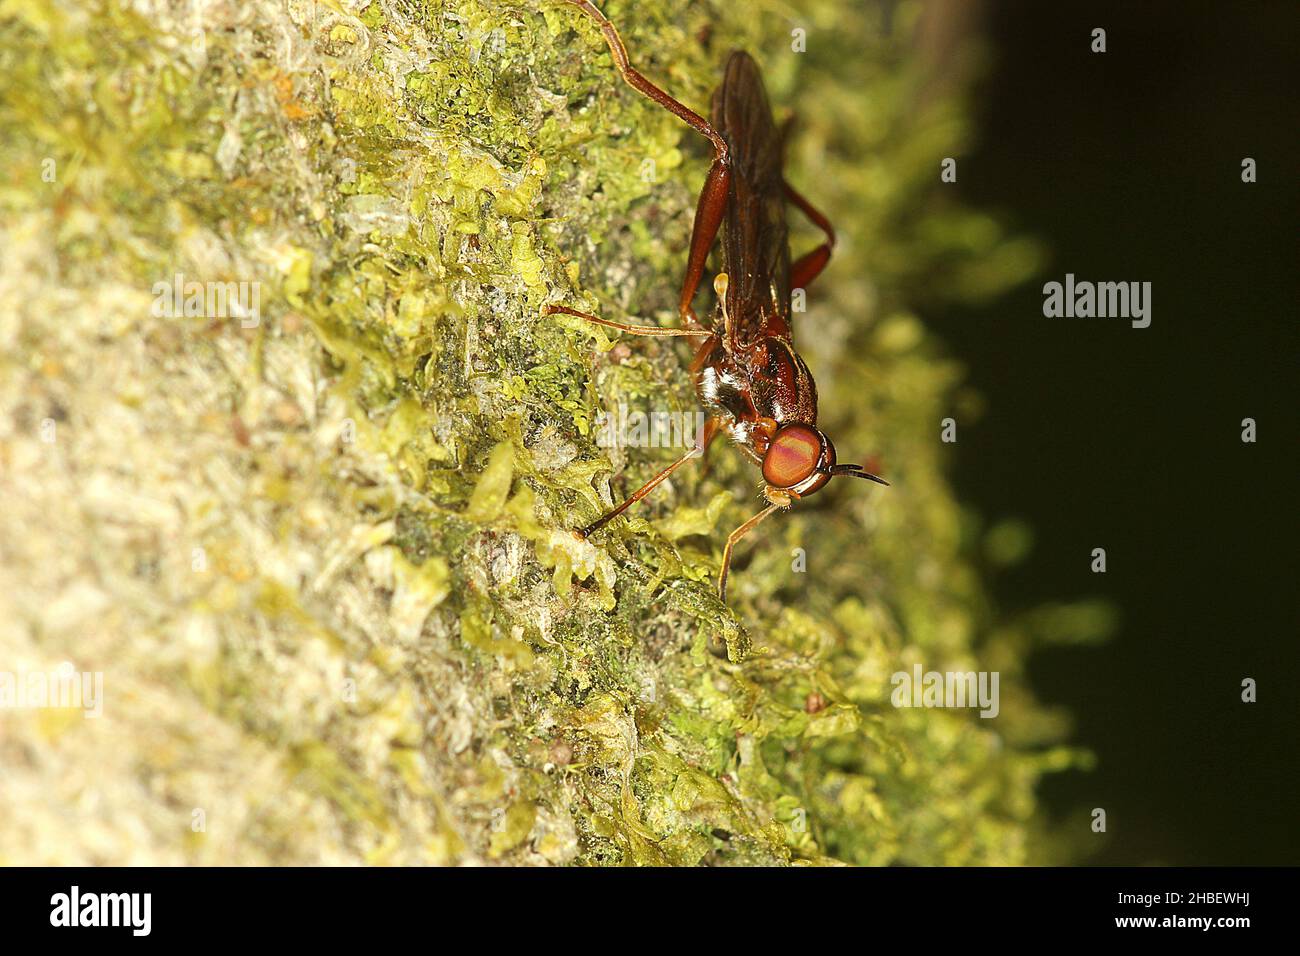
[{"x": 319, "y": 551}]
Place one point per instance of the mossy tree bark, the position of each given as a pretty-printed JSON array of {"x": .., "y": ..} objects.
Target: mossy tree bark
[{"x": 319, "y": 550}]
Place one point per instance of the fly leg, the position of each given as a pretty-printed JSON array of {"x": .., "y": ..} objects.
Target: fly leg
[
  {"x": 710, "y": 430},
  {"x": 810, "y": 265},
  {"x": 732, "y": 538},
  {"x": 622, "y": 327},
  {"x": 717, "y": 185}
]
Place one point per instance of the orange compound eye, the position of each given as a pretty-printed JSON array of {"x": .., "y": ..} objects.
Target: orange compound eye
[{"x": 795, "y": 455}]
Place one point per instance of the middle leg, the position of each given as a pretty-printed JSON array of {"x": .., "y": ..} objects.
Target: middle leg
[
  {"x": 710, "y": 430},
  {"x": 623, "y": 327}
]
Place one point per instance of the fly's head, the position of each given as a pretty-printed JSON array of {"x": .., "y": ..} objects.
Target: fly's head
[{"x": 799, "y": 460}]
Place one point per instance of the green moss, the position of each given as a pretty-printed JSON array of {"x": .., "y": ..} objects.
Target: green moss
[{"x": 415, "y": 190}]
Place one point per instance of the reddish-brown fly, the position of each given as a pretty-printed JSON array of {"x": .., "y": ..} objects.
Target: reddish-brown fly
[{"x": 746, "y": 369}]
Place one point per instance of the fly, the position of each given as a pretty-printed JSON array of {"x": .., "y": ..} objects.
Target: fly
[{"x": 746, "y": 370}]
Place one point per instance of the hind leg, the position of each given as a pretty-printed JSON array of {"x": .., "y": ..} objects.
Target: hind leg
[
  {"x": 810, "y": 265},
  {"x": 717, "y": 184}
]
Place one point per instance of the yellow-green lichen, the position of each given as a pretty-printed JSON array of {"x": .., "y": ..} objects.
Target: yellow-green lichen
[{"x": 328, "y": 562}]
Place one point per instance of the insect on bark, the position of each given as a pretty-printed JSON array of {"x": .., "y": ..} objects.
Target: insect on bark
[{"x": 747, "y": 372}]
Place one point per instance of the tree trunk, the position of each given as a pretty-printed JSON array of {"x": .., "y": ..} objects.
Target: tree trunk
[{"x": 290, "y": 454}]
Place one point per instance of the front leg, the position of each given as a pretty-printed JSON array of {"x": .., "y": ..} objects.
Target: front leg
[{"x": 732, "y": 538}]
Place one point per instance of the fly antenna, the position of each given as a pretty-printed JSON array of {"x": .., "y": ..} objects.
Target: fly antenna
[{"x": 857, "y": 471}]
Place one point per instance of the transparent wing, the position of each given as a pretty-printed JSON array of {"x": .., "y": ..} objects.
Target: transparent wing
[{"x": 755, "y": 241}]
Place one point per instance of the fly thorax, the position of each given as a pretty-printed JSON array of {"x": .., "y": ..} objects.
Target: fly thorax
[{"x": 783, "y": 387}]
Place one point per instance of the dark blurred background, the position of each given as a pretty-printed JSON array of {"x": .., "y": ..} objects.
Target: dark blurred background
[{"x": 1127, "y": 165}]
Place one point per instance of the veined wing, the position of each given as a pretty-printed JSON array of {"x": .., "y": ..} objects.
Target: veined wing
[{"x": 755, "y": 241}]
